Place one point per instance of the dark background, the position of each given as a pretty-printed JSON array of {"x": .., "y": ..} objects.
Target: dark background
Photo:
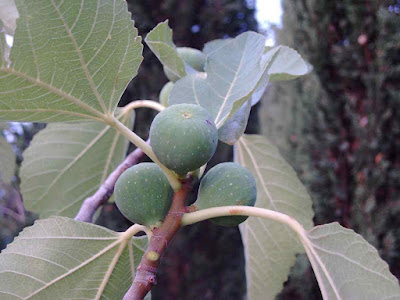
[{"x": 339, "y": 127}]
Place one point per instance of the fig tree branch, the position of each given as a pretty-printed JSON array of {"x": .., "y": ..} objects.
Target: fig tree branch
[
  {"x": 91, "y": 204},
  {"x": 145, "y": 278}
]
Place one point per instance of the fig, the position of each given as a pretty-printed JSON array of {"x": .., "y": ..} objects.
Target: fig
[
  {"x": 183, "y": 137},
  {"x": 164, "y": 93},
  {"x": 227, "y": 184},
  {"x": 193, "y": 58},
  {"x": 143, "y": 194}
]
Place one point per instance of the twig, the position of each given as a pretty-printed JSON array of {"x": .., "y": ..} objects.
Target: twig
[
  {"x": 14, "y": 203},
  {"x": 16, "y": 216},
  {"x": 145, "y": 277},
  {"x": 91, "y": 204}
]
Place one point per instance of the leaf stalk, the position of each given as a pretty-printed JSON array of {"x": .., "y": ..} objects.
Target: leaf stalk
[
  {"x": 140, "y": 143},
  {"x": 142, "y": 104}
]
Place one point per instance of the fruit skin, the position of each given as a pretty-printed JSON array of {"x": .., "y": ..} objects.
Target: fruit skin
[
  {"x": 143, "y": 194},
  {"x": 227, "y": 184},
  {"x": 183, "y": 137},
  {"x": 164, "y": 93},
  {"x": 193, "y": 58}
]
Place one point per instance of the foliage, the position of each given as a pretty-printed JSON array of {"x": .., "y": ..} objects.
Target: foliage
[
  {"x": 68, "y": 162},
  {"x": 80, "y": 75},
  {"x": 68, "y": 257},
  {"x": 340, "y": 126}
]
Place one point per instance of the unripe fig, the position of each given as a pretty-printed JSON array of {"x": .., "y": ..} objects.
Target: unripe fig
[
  {"x": 192, "y": 57},
  {"x": 227, "y": 184},
  {"x": 183, "y": 137},
  {"x": 143, "y": 194},
  {"x": 164, "y": 93}
]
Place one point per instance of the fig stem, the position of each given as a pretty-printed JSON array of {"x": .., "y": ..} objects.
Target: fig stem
[
  {"x": 242, "y": 210},
  {"x": 145, "y": 277},
  {"x": 140, "y": 143},
  {"x": 142, "y": 103}
]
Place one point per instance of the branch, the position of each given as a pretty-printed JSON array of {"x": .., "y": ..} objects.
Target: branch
[
  {"x": 91, "y": 204},
  {"x": 145, "y": 278},
  {"x": 16, "y": 216}
]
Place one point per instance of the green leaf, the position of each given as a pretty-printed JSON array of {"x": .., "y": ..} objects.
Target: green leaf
[
  {"x": 232, "y": 73},
  {"x": 160, "y": 42},
  {"x": 270, "y": 247},
  {"x": 347, "y": 267},
  {"x": 59, "y": 258},
  {"x": 214, "y": 45},
  {"x": 67, "y": 162},
  {"x": 288, "y": 65},
  {"x": 7, "y": 161},
  {"x": 234, "y": 128},
  {"x": 71, "y": 60}
]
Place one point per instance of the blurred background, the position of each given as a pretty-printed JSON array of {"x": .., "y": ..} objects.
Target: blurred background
[{"x": 339, "y": 127}]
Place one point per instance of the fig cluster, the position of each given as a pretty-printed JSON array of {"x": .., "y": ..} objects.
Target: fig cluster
[{"x": 183, "y": 138}]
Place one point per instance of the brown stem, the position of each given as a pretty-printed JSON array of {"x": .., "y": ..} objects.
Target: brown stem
[
  {"x": 145, "y": 278},
  {"x": 91, "y": 204},
  {"x": 17, "y": 217}
]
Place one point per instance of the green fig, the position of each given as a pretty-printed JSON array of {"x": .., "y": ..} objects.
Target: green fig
[
  {"x": 227, "y": 184},
  {"x": 164, "y": 93},
  {"x": 193, "y": 58},
  {"x": 143, "y": 194},
  {"x": 183, "y": 137}
]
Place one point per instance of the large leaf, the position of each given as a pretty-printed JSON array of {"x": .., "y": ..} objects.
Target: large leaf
[
  {"x": 71, "y": 60},
  {"x": 232, "y": 73},
  {"x": 59, "y": 258},
  {"x": 270, "y": 247},
  {"x": 347, "y": 267},
  {"x": 214, "y": 45},
  {"x": 160, "y": 42},
  {"x": 288, "y": 65},
  {"x": 7, "y": 161},
  {"x": 66, "y": 163},
  {"x": 234, "y": 128}
]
